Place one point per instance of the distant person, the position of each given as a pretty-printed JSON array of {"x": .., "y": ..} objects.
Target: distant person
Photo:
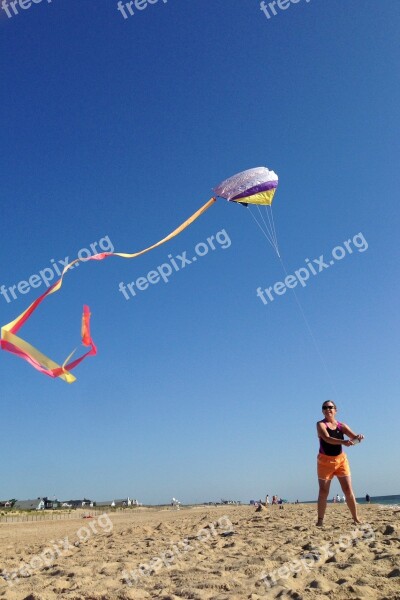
[
  {"x": 368, "y": 499},
  {"x": 337, "y": 498},
  {"x": 332, "y": 461},
  {"x": 267, "y": 499}
]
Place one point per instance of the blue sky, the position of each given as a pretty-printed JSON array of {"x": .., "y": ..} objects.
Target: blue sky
[{"x": 120, "y": 127}]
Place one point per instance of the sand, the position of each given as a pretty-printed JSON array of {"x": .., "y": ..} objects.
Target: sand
[{"x": 205, "y": 553}]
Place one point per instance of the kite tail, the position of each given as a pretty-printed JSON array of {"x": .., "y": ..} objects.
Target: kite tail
[
  {"x": 10, "y": 342},
  {"x": 16, "y": 345}
]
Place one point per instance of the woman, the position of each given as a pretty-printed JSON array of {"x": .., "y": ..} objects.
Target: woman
[{"x": 332, "y": 461}]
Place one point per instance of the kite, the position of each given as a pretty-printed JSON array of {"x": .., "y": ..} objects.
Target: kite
[{"x": 252, "y": 187}]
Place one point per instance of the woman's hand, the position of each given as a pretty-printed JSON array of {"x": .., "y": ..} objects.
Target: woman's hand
[{"x": 348, "y": 443}]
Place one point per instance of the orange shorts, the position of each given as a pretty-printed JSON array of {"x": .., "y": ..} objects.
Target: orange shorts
[{"x": 332, "y": 466}]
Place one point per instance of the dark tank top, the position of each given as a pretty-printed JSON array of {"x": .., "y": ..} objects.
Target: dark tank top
[{"x": 332, "y": 449}]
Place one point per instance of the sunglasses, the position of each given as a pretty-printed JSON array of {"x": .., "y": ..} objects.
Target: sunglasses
[{"x": 328, "y": 407}]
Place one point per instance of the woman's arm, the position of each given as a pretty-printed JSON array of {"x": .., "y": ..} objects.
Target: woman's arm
[
  {"x": 346, "y": 429},
  {"x": 323, "y": 434}
]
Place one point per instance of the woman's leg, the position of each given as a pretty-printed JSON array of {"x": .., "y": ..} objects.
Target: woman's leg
[
  {"x": 324, "y": 485},
  {"x": 345, "y": 483}
]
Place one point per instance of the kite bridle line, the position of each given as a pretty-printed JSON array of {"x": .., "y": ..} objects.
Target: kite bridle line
[
  {"x": 10, "y": 342},
  {"x": 268, "y": 231}
]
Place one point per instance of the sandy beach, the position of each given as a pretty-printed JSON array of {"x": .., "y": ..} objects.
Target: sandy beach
[{"x": 205, "y": 553}]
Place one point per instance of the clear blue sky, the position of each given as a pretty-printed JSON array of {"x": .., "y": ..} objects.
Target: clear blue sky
[{"x": 120, "y": 127}]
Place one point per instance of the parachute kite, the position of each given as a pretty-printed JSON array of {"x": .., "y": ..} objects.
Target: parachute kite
[
  {"x": 252, "y": 187},
  {"x": 255, "y": 186}
]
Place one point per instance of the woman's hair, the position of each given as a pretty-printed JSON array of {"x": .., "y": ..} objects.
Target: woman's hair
[{"x": 323, "y": 404}]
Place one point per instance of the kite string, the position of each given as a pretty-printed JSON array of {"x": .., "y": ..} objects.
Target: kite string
[{"x": 310, "y": 331}]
